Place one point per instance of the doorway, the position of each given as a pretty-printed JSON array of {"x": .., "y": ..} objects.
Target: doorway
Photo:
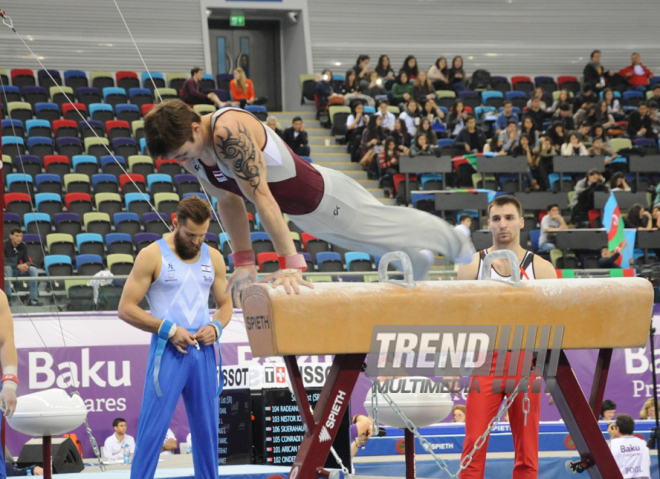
[{"x": 255, "y": 48}]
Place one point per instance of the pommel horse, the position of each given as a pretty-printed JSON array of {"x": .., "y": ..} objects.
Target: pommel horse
[{"x": 338, "y": 319}]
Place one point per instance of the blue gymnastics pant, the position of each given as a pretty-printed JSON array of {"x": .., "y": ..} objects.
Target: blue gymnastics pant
[
  {"x": 193, "y": 375},
  {"x": 3, "y": 471}
]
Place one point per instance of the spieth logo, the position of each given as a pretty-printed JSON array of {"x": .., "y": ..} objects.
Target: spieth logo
[
  {"x": 324, "y": 435},
  {"x": 336, "y": 408}
]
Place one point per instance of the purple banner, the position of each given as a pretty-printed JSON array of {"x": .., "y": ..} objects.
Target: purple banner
[{"x": 108, "y": 365}]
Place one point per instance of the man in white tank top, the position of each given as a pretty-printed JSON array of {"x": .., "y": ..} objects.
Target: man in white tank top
[
  {"x": 176, "y": 274},
  {"x": 630, "y": 453},
  {"x": 236, "y": 157},
  {"x": 505, "y": 220}
]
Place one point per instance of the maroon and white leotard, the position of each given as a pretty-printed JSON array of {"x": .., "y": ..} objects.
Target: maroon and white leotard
[{"x": 296, "y": 185}]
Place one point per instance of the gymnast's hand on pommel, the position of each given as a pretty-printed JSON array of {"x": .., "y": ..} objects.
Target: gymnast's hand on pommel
[
  {"x": 242, "y": 277},
  {"x": 8, "y": 402},
  {"x": 289, "y": 279}
]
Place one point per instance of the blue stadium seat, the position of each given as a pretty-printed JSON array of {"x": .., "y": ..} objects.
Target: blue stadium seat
[
  {"x": 37, "y": 218},
  {"x": 444, "y": 142},
  {"x": 42, "y": 126},
  {"x": 330, "y": 256},
  {"x": 56, "y": 259},
  {"x": 83, "y": 259},
  {"x": 83, "y": 238},
  {"x": 353, "y": 256},
  {"x": 158, "y": 178},
  {"x": 17, "y": 178},
  {"x": 114, "y": 91},
  {"x": 40, "y": 198},
  {"x": 47, "y": 178}
]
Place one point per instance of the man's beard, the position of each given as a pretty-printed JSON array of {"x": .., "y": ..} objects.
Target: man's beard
[{"x": 183, "y": 250}]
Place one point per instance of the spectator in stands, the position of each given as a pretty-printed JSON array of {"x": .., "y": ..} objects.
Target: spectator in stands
[
  {"x": 583, "y": 198},
  {"x": 13, "y": 471},
  {"x": 607, "y": 410},
  {"x": 169, "y": 444},
  {"x": 524, "y": 148},
  {"x": 356, "y": 123},
  {"x": 402, "y": 136},
  {"x": 603, "y": 116},
  {"x": 193, "y": 95},
  {"x": 655, "y": 214},
  {"x": 457, "y": 118},
  {"x": 583, "y": 132},
  {"x": 510, "y": 136},
  {"x": 457, "y": 75},
  {"x": 586, "y": 115},
  {"x": 550, "y": 224},
  {"x": 113, "y": 448},
  {"x": 425, "y": 128},
  {"x": 402, "y": 90},
  {"x": 351, "y": 89},
  {"x": 471, "y": 138},
  {"x": 388, "y": 160},
  {"x": 557, "y": 135},
  {"x": 573, "y": 147},
  {"x": 271, "y": 121},
  {"x": 496, "y": 145},
  {"x": 563, "y": 115},
  {"x": 296, "y": 137},
  {"x": 564, "y": 97},
  {"x": 242, "y": 90},
  {"x": 599, "y": 148},
  {"x": 411, "y": 115},
  {"x": 637, "y": 74},
  {"x": 438, "y": 74},
  {"x": 326, "y": 90},
  {"x": 613, "y": 104},
  {"x": 543, "y": 161},
  {"x": 609, "y": 258},
  {"x": 529, "y": 128},
  {"x": 504, "y": 117},
  {"x": 630, "y": 452},
  {"x": 586, "y": 98},
  {"x": 433, "y": 112},
  {"x": 384, "y": 68},
  {"x": 375, "y": 88},
  {"x": 362, "y": 70},
  {"x": 464, "y": 226},
  {"x": 536, "y": 113},
  {"x": 639, "y": 218},
  {"x": 640, "y": 124},
  {"x": 421, "y": 146},
  {"x": 373, "y": 140},
  {"x": 458, "y": 413},
  {"x": 654, "y": 114},
  {"x": 388, "y": 117},
  {"x": 648, "y": 409},
  {"x": 597, "y": 131},
  {"x": 538, "y": 92},
  {"x": 423, "y": 89},
  {"x": 594, "y": 73},
  {"x": 410, "y": 67},
  {"x": 618, "y": 182},
  {"x": 17, "y": 264}
]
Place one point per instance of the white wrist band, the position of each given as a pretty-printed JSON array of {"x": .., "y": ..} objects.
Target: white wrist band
[
  {"x": 10, "y": 385},
  {"x": 10, "y": 370}
]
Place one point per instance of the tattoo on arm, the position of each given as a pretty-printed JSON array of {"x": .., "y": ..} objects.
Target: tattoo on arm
[{"x": 239, "y": 149}]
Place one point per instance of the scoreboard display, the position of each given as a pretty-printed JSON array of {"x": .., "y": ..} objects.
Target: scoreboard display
[{"x": 283, "y": 429}]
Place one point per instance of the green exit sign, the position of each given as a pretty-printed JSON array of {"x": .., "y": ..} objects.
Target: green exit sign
[{"x": 237, "y": 21}]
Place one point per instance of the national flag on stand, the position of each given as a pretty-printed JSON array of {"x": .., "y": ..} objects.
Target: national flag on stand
[{"x": 614, "y": 226}]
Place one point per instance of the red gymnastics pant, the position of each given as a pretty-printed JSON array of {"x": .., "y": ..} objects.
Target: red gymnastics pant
[{"x": 482, "y": 406}]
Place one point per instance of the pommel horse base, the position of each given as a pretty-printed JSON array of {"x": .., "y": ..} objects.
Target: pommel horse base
[{"x": 338, "y": 319}]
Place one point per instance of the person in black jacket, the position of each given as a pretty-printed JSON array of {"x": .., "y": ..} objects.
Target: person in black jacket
[
  {"x": 640, "y": 124},
  {"x": 595, "y": 73},
  {"x": 471, "y": 137},
  {"x": 608, "y": 258},
  {"x": 586, "y": 98},
  {"x": 13, "y": 471},
  {"x": 17, "y": 263},
  {"x": 296, "y": 137}
]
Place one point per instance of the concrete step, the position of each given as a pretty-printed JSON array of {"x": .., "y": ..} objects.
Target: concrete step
[
  {"x": 355, "y": 174},
  {"x": 340, "y": 165},
  {"x": 332, "y": 149},
  {"x": 309, "y": 124},
  {"x": 323, "y": 157},
  {"x": 289, "y": 115},
  {"x": 320, "y": 141}
]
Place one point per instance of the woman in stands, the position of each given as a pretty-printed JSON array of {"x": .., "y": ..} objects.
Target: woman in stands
[
  {"x": 457, "y": 75},
  {"x": 597, "y": 131},
  {"x": 402, "y": 91},
  {"x": 438, "y": 74},
  {"x": 411, "y": 114},
  {"x": 613, "y": 105},
  {"x": 421, "y": 147},
  {"x": 242, "y": 90},
  {"x": 402, "y": 136},
  {"x": 410, "y": 67},
  {"x": 375, "y": 88},
  {"x": 384, "y": 69},
  {"x": 425, "y": 128},
  {"x": 326, "y": 90},
  {"x": 639, "y": 218},
  {"x": 603, "y": 116},
  {"x": 564, "y": 97},
  {"x": 543, "y": 161},
  {"x": 618, "y": 182},
  {"x": 388, "y": 161},
  {"x": 457, "y": 117},
  {"x": 496, "y": 145},
  {"x": 362, "y": 69},
  {"x": 573, "y": 147},
  {"x": 423, "y": 89},
  {"x": 557, "y": 135},
  {"x": 373, "y": 140},
  {"x": 529, "y": 128},
  {"x": 433, "y": 112},
  {"x": 655, "y": 214},
  {"x": 351, "y": 89},
  {"x": 538, "y": 92},
  {"x": 356, "y": 123},
  {"x": 524, "y": 148}
]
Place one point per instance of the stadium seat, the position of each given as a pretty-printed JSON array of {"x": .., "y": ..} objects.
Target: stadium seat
[
  {"x": 34, "y": 95},
  {"x": 13, "y": 128},
  {"x": 105, "y": 183},
  {"x": 125, "y": 147},
  {"x": 41, "y": 146},
  {"x": 141, "y": 165},
  {"x": 633, "y": 98},
  {"x": 127, "y": 112},
  {"x": 49, "y": 203},
  {"x": 207, "y": 83},
  {"x": 88, "y": 96},
  {"x": 48, "y": 183},
  {"x": 132, "y": 183},
  {"x": 492, "y": 98},
  {"x": 445, "y": 98},
  {"x": 18, "y": 203},
  {"x": 68, "y": 223},
  {"x": 620, "y": 143},
  {"x": 13, "y": 146},
  {"x": 137, "y": 127},
  {"x": 69, "y": 147},
  {"x": 9, "y": 94},
  {"x": 168, "y": 167},
  {"x": 77, "y": 183},
  {"x": 98, "y": 147},
  {"x": 117, "y": 129},
  {"x": 569, "y": 83},
  {"x": 166, "y": 202},
  {"x": 137, "y": 203},
  {"x": 156, "y": 223},
  {"x": 101, "y": 79},
  {"x": 22, "y": 77},
  {"x": 259, "y": 111},
  {"x": 78, "y": 203},
  {"x": 71, "y": 111},
  {"x": 109, "y": 203},
  {"x": 19, "y": 110},
  {"x": 187, "y": 183},
  {"x": 127, "y": 80},
  {"x": 163, "y": 94},
  {"x": 329, "y": 262},
  {"x": 38, "y": 128},
  {"x": 120, "y": 264},
  {"x": 96, "y": 222},
  {"x": 60, "y": 243},
  {"x": 89, "y": 264},
  {"x": 57, "y": 164},
  {"x": 204, "y": 109},
  {"x": 522, "y": 83},
  {"x": 119, "y": 243},
  {"x": 36, "y": 249},
  {"x": 261, "y": 243},
  {"x": 58, "y": 265},
  {"x": 37, "y": 223},
  {"x": 28, "y": 164},
  {"x": 499, "y": 83},
  {"x": 19, "y": 183},
  {"x": 65, "y": 129},
  {"x": 92, "y": 129},
  {"x": 268, "y": 262},
  {"x": 113, "y": 165},
  {"x": 90, "y": 243},
  {"x": 11, "y": 221},
  {"x": 128, "y": 223},
  {"x": 176, "y": 79},
  {"x": 101, "y": 112},
  {"x": 143, "y": 146},
  {"x": 356, "y": 261},
  {"x": 114, "y": 96},
  {"x": 142, "y": 240},
  {"x": 153, "y": 80},
  {"x": 146, "y": 108},
  {"x": 61, "y": 95},
  {"x": 141, "y": 96}
]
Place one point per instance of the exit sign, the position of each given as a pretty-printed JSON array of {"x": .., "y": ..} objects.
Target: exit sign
[{"x": 237, "y": 21}]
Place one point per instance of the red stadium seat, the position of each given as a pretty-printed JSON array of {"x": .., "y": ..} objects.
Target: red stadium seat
[
  {"x": 306, "y": 237},
  {"x": 69, "y": 111},
  {"x": 126, "y": 178},
  {"x": 147, "y": 108},
  {"x": 263, "y": 257}
]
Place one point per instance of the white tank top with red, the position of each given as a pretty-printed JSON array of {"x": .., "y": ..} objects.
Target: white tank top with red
[{"x": 526, "y": 267}]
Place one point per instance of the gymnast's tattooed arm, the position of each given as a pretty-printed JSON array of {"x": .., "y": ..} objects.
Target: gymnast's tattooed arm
[{"x": 237, "y": 148}]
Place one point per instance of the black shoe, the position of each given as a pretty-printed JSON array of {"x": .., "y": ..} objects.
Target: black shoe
[{"x": 35, "y": 302}]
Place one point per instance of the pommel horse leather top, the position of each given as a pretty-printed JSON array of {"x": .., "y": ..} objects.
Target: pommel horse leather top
[{"x": 338, "y": 318}]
